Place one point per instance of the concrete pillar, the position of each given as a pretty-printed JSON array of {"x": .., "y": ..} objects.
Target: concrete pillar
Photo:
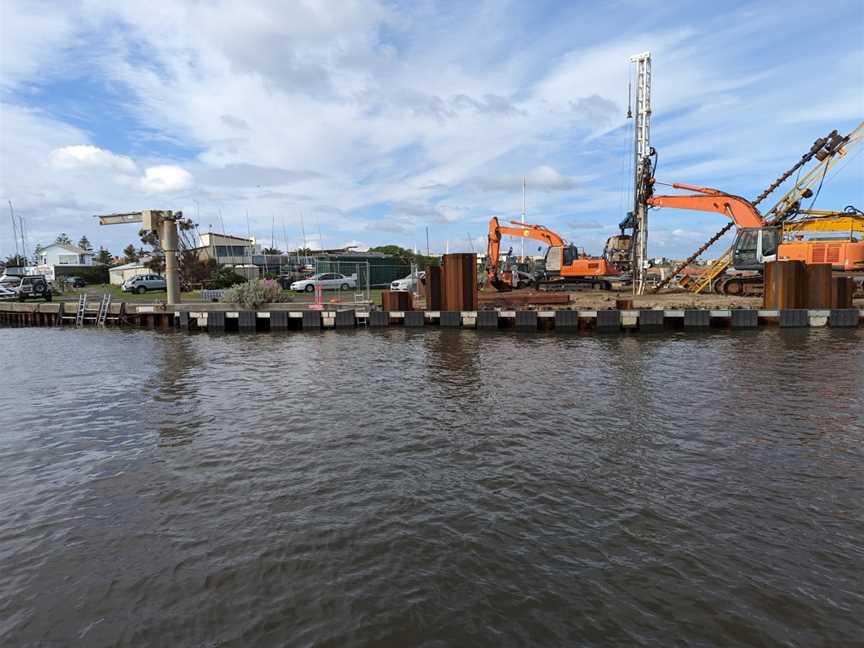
[{"x": 168, "y": 239}]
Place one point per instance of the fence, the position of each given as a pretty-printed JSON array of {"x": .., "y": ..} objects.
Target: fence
[{"x": 342, "y": 282}]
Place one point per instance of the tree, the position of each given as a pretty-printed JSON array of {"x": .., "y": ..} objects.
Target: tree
[
  {"x": 63, "y": 239},
  {"x": 16, "y": 261},
  {"x": 104, "y": 256},
  {"x": 406, "y": 256},
  {"x": 271, "y": 251},
  {"x": 189, "y": 266},
  {"x": 130, "y": 253},
  {"x": 157, "y": 254},
  {"x": 84, "y": 244}
]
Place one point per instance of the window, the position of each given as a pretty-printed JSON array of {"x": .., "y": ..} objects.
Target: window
[
  {"x": 570, "y": 254},
  {"x": 232, "y": 250},
  {"x": 770, "y": 239},
  {"x": 67, "y": 259},
  {"x": 747, "y": 240}
]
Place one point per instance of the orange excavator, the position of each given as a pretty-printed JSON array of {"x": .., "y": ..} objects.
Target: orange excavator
[
  {"x": 566, "y": 265},
  {"x": 758, "y": 242}
]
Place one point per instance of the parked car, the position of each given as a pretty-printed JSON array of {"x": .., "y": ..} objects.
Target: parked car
[
  {"x": 327, "y": 281},
  {"x": 75, "y": 282},
  {"x": 31, "y": 287},
  {"x": 143, "y": 283},
  {"x": 408, "y": 283}
]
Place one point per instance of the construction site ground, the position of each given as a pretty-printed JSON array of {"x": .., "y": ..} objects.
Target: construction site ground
[{"x": 600, "y": 300}]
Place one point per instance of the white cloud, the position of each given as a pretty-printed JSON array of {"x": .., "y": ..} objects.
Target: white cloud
[
  {"x": 31, "y": 35},
  {"x": 381, "y": 118},
  {"x": 85, "y": 156},
  {"x": 542, "y": 178},
  {"x": 166, "y": 178}
]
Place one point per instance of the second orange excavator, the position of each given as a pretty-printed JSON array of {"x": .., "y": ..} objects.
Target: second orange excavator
[{"x": 566, "y": 265}]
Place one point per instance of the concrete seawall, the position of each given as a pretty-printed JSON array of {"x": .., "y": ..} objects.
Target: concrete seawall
[{"x": 286, "y": 317}]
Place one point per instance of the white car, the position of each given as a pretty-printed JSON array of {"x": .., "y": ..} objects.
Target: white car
[
  {"x": 407, "y": 283},
  {"x": 327, "y": 281}
]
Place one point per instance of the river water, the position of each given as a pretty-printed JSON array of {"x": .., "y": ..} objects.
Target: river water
[{"x": 431, "y": 488}]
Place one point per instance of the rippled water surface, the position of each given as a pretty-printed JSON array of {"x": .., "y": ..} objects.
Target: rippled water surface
[{"x": 431, "y": 488}]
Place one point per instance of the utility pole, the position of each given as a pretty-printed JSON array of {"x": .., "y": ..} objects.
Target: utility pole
[
  {"x": 427, "y": 241},
  {"x": 524, "y": 182},
  {"x": 303, "y": 232},
  {"x": 14, "y": 228},
  {"x": 23, "y": 237},
  {"x": 641, "y": 149}
]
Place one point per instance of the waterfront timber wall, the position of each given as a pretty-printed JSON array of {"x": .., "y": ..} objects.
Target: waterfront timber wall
[{"x": 204, "y": 317}]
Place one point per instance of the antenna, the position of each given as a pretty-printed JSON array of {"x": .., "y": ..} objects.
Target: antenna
[{"x": 427, "y": 241}]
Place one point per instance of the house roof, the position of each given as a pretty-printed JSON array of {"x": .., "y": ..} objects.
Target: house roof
[
  {"x": 69, "y": 248},
  {"x": 350, "y": 253},
  {"x": 131, "y": 266},
  {"x": 230, "y": 236}
]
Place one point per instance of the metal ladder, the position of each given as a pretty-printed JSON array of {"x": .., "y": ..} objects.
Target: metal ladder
[
  {"x": 103, "y": 309},
  {"x": 79, "y": 315},
  {"x": 714, "y": 270}
]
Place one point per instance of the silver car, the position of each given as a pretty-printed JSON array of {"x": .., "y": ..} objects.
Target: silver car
[
  {"x": 408, "y": 283},
  {"x": 142, "y": 283},
  {"x": 327, "y": 281}
]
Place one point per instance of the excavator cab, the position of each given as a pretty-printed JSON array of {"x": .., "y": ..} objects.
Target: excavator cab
[
  {"x": 754, "y": 246},
  {"x": 571, "y": 254}
]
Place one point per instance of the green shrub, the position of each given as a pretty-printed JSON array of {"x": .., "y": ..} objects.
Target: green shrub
[
  {"x": 225, "y": 277},
  {"x": 253, "y": 293}
]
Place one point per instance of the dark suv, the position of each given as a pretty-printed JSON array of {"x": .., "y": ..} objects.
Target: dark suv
[{"x": 33, "y": 287}]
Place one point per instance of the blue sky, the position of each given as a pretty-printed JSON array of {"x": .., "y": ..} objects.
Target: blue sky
[{"x": 372, "y": 120}]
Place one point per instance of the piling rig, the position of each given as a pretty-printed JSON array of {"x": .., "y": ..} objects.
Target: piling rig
[{"x": 751, "y": 248}]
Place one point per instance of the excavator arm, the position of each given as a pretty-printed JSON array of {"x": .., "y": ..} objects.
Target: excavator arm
[
  {"x": 524, "y": 230},
  {"x": 740, "y": 210}
]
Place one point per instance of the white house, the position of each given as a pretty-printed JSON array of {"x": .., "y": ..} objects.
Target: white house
[{"x": 65, "y": 255}]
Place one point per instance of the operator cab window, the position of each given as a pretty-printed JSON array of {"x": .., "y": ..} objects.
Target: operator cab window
[{"x": 571, "y": 253}]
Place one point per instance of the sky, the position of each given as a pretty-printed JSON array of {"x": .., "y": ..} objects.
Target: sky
[{"x": 365, "y": 122}]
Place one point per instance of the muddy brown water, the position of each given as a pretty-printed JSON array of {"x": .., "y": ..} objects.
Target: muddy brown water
[{"x": 431, "y": 488}]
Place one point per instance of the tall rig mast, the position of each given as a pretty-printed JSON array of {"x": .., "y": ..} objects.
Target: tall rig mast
[{"x": 641, "y": 150}]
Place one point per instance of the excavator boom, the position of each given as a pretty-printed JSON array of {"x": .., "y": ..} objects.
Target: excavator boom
[
  {"x": 740, "y": 210},
  {"x": 525, "y": 230}
]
